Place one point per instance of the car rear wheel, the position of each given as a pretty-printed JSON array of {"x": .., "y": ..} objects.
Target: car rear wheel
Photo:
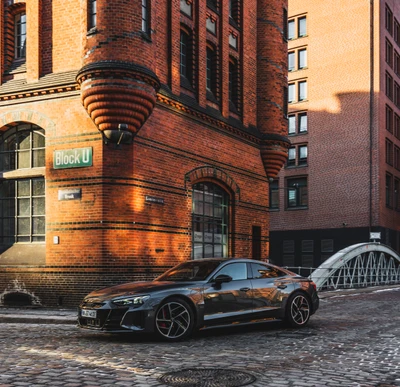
[
  {"x": 174, "y": 319},
  {"x": 298, "y": 310}
]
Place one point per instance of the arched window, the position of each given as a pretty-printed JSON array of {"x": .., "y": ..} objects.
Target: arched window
[
  {"x": 22, "y": 185},
  {"x": 210, "y": 221}
]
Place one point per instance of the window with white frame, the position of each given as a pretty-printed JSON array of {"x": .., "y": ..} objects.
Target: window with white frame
[
  {"x": 22, "y": 185},
  {"x": 297, "y": 123},
  {"x": 292, "y": 93},
  {"x": 302, "y": 26},
  {"x": 302, "y": 90},
  {"x": 297, "y": 156},
  {"x": 291, "y": 61},
  {"x": 302, "y": 58}
]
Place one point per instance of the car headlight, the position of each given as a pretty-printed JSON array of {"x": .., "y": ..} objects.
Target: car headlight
[{"x": 131, "y": 301}]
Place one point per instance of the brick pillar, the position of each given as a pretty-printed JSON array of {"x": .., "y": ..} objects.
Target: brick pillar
[
  {"x": 271, "y": 83},
  {"x": 33, "y": 54}
]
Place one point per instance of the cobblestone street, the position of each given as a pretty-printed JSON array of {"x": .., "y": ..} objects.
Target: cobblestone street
[{"x": 353, "y": 340}]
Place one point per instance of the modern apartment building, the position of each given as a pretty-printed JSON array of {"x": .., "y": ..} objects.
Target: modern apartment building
[
  {"x": 342, "y": 178},
  {"x": 135, "y": 135}
]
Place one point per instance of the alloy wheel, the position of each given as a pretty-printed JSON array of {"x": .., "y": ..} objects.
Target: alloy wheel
[
  {"x": 300, "y": 310},
  {"x": 173, "y": 320}
]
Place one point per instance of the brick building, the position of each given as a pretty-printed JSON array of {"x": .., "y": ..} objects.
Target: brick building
[
  {"x": 133, "y": 136},
  {"x": 342, "y": 177}
]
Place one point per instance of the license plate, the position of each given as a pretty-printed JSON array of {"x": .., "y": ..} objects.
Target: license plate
[{"x": 88, "y": 313}]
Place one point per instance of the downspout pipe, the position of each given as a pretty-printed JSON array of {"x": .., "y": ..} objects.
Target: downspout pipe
[{"x": 371, "y": 112}]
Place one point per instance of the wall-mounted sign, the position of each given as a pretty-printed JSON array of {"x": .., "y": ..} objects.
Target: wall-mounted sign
[
  {"x": 374, "y": 235},
  {"x": 153, "y": 199},
  {"x": 70, "y": 194},
  {"x": 73, "y": 158}
]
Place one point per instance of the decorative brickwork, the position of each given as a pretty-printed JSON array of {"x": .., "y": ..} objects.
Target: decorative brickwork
[{"x": 127, "y": 212}]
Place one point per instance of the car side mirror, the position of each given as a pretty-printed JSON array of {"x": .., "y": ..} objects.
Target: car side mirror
[{"x": 222, "y": 278}]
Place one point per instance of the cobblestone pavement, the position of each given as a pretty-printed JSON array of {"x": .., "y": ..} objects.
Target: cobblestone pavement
[{"x": 353, "y": 340}]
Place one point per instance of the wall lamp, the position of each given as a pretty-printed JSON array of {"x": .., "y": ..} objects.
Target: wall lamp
[{"x": 118, "y": 136}]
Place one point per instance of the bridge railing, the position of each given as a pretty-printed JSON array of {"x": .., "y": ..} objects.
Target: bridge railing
[{"x": 342, "y": 278}]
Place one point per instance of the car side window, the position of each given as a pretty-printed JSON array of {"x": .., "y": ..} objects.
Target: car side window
[
  {"x": 264, "y": 271},
  {"x": 238, "y": 271}
]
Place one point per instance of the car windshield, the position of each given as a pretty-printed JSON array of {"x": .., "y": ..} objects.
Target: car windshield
[{"x": 190, "y": 271}]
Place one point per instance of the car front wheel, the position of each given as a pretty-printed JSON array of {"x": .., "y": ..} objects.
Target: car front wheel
[
  {"x": 174, "y": 319},
  {"x": 298, "y": 310}
]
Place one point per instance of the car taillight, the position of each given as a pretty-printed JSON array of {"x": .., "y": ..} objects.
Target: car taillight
[{"x": 313, "y": 285}]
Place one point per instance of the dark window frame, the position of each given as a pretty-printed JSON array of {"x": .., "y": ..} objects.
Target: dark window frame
[
  {"x": 297, "y": 193},
  {"x": 92, "y": 15},
  {"x": 210, "y": 214}
]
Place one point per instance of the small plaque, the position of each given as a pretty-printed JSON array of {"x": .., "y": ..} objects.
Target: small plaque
[
  {"x": 153, "y": 199},
  {"x": 70, "y": 194}
]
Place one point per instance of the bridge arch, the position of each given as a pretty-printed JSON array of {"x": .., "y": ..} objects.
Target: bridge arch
[{"x": 359, "y": 265}]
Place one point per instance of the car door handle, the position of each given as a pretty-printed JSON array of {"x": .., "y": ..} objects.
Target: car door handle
[
  {"x": 244, "y": 289},
  {"x": 282, "y": 286}
]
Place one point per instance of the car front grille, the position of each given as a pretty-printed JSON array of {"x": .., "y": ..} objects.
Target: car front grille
[{"x": 106, "y": 319}]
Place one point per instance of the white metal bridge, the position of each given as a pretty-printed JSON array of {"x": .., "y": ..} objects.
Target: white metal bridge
[{"x": 356, "y": 266}]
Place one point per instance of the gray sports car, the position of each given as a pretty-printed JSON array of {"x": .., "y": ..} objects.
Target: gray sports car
[{"x": 201, "y": 294}]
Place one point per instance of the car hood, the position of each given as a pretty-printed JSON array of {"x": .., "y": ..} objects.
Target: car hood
[{"x": 133, "y": 288}]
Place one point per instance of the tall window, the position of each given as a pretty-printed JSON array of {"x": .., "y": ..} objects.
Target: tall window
[
  {"x": 303, "y": 122},
  {"x": 302, "y": 90},
  {"x": 274, "y": 195},
  {"x": 22, "y": 197},
  {"x": 291, "y": 61},
  {"x": 92, "y": 14},
  {"x": 210, "y": 221},
  {"x": 292, "y": 124},
  {"x": 291, "y": 161},
  {"x": 234, "y": 10},
  {"x": 186, "y": 59},
  {"x": 292, "y": 92},
  {"x": 302, "y": 27},
  {"x": 145, "y": 16},
  {"x": 389, "y": 53},
  {"x": 389, "y": 152},
  {"x": 211, "y": 71},
  {"x": 396, "y": 202},
  {"x": 389, "y": 20},
  {"x": 20, "y": 36},
  {"x": 291, "y": 29},
  {"x": 389, "y": 190},
  {"x": 233, "y": 85},
  {"x": 297, "y": 192},
  {"x": 389, "y": 86},
  {"x": 389, "y": 119},
  {"x": 302, "y": 58}
]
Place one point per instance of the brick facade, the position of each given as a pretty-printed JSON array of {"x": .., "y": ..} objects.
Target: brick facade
[{"x": 117, "y": 90}]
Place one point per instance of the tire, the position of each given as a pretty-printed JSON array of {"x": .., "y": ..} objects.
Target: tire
[
  {"x": 298, "y": 310},
  {"x": 174, "y": 320}
]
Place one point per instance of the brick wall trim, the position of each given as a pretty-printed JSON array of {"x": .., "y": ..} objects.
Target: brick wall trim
[{"x": 212, "y": 172}]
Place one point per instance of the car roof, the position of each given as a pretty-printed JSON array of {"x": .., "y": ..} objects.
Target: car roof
[{"x": 227, "y": 259}]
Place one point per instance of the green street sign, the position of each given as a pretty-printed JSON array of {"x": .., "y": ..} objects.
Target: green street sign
[{"x": 73, "y": 158}]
